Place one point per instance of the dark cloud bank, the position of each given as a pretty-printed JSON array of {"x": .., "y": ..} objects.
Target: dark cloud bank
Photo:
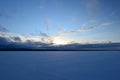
[
  {"x": 6, "y": 43},
  {"x": 17, "y": 44}
]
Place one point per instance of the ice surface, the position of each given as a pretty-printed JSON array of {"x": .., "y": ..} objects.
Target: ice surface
[{"x": 60, "y": 65}]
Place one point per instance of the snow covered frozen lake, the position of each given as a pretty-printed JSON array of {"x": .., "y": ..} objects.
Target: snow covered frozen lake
[{"x": 59, "y": 65}]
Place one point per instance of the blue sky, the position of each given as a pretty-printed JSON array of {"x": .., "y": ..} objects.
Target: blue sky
[{"x": 65, "y": 20}]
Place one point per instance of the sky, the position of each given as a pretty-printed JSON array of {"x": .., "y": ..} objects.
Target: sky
[{"x": 61, "y": 21}]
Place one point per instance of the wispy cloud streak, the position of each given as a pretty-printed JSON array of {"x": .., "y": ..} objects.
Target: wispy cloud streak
[
  {"x": 86, "y": 29},
  {"x": 47, "y": 25},
  {"x": 3, "y": 29},
  {"x": 92, "y": 6}
]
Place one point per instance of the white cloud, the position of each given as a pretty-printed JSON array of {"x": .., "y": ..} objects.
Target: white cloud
[{"x": 106, "y": 24}]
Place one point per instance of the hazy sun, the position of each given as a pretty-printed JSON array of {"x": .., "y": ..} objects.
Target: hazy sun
[{"x": 59, "y": 41}]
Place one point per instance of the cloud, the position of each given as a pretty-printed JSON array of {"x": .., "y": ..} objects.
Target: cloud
[
  {"x": 57, "y": 3},
  {"x": 89, "y": 22},
  {"x": 85, "y": 28},
  {"x": 43, "y": 34},
  {"x": 4, "y": 41},
  {"x": 41, "y": 7},
  {"x": 47, "y": 25},
  {"x": 106, "y": 24},
  {"x": 2, "y": 13},
  {"x": 18, "y": 41},
  {"x": 5, "y": 13},
  {"x": 42, "y": 4},
  {"x": 78, "y": 30},
  {"x": 93, "y": 46},
  {"x": 74, "y": 19},
  {"x": 61, "y": 27},
  {"x": 93, "y": 6},
  {"x": 113, "y": 13},
  {"x": 3, "y": 29},
  {"x": 15, "y": 42}
]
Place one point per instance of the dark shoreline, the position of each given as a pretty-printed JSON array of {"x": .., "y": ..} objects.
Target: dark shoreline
[{"x": 59, "y": 50}]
